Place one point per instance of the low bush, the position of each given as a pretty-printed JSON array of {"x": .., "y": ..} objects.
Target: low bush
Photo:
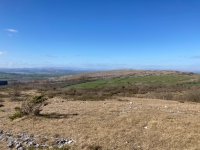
[
  {"x": 32, "y": 106},
  {"x": 193, "y": 96},
  {"x": 18, "y": 114}
]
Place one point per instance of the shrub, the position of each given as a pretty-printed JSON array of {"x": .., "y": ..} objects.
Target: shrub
[
  {"x": 17, "y": 114},
  {"x": 32, "y": 106},
  {"x": 38, "y": 99},
  {"x": 193, "y": 96}
]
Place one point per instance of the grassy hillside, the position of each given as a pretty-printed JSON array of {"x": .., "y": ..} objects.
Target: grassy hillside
[
  {"x": 103, "y": 85},
  {"x": 131, "y": 81},
  {"x": 174, "y": 86}
]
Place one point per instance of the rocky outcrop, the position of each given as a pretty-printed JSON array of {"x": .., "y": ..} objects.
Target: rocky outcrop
[{"x": 24, "y": 141}]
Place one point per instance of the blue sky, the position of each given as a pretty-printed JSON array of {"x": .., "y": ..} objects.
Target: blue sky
[{"x": 100, "y": 34}]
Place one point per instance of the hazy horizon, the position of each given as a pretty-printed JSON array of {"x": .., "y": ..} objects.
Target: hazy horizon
[{"x": 100, "y": 35}]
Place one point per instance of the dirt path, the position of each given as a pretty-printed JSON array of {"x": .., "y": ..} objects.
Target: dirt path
[{"x": 120, "y": 123}]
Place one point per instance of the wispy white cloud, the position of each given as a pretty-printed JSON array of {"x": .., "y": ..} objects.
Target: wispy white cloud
[
  {"x": 2, "y": 53},
  {"x": 11, "y": 30}
]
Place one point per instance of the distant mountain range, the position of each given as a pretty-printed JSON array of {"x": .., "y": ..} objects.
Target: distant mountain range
[
  {"x": 42, "y": 71},
  {"x": 45, "y": 73},
  {"x": 23, "y": 74}
]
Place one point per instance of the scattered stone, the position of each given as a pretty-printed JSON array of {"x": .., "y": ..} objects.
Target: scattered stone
[
  {"x": 18, "y": 145},
  {"x": 31, "y": 143},
  {"x": 8, "y": 134},
  {"x": 23, "y": 141},
  {"x": 70, "y": 142},
  {"x": 37, "y": 145},
  {"x": 21, "y": 148},
  {"x": 44, "y": 146},
  {"x": 10, "y": 144},
  {"x": 62, "y": 142}
]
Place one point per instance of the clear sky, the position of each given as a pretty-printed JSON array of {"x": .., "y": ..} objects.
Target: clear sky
[{"x": 109, "y": 34}]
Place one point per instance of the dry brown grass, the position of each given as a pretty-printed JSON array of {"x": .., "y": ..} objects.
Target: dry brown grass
[
  {"x": 106, "y": 119},
  {"x": 119, "y": 123}
]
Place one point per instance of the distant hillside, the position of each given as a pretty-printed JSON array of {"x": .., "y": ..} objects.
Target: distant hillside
[
  {"x": 35, "y": 73},
  {"x": 121, "y": 73},
  {"x": 51, "y": 71}
]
